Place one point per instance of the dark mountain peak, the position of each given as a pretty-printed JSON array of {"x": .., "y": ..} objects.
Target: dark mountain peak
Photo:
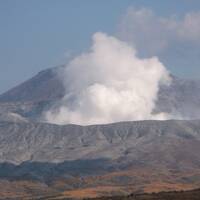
[{"x": 45, "y": 86}]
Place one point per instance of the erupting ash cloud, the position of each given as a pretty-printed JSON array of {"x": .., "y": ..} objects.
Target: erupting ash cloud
[{"x": 109, "y": 84}]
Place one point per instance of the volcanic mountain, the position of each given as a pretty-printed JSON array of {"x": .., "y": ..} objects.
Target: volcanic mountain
[
  {"x": 38, "y": 159},
  {"x": 31, "y": 98}
]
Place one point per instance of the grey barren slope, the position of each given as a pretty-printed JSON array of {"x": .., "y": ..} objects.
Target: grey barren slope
[{"x": 166, "y": 143}]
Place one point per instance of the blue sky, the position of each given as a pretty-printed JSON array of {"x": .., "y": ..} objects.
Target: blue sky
[{"x": 36, "y": 34}]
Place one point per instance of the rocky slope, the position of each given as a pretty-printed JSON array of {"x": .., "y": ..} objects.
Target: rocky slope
[
  {"x": 173, "y": 142},
  {"x": 112, "y": 159},
  {"x": 155, "y": 144}
]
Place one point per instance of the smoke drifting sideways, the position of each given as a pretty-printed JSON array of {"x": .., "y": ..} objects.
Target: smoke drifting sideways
[{"x": 109, "y": 83}]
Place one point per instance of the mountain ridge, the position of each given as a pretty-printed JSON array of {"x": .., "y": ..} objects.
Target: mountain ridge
[{"x": 120, "y": 158}]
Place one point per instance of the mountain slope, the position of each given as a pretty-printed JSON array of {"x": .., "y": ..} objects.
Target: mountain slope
[
  {"x": 31, "y": 98},
  {"x": 117, "y": 158},
  {"x": 181, "y": 98},
  {"x": 45, "y": 86},
  {"x": 148, "y": 142}
]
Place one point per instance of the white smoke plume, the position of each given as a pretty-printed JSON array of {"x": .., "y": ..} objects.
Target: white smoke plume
[{"x": 109, "y": 84}]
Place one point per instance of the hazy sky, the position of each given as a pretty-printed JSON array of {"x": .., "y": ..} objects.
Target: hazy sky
[{"x": 36, "y": 34}]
